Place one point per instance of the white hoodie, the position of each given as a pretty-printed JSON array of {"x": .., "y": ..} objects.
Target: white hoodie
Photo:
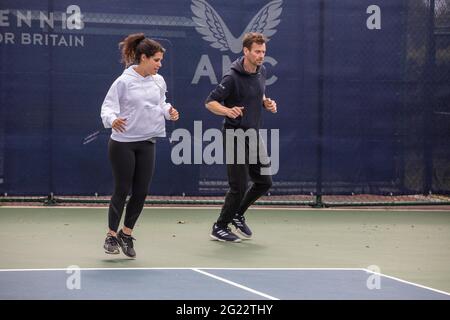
[{"x": 140, "y": 100}]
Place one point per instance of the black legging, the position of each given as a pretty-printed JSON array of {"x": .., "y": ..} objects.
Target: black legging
[{"x": 132, "y": 165}]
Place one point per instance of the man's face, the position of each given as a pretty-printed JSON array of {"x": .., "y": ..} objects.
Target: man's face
[{"x": 256, "y": 54}]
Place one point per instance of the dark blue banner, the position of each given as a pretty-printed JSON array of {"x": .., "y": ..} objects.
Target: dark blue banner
[{"x": 349, "y": 77}]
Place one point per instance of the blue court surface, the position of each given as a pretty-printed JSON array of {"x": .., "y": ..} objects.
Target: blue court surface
[{"x": 209, "y": 284}]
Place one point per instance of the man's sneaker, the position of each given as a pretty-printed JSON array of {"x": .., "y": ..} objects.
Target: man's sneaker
[
  {"x": 111, "y": 245},
  {"x": 126, "y": 244},
  {"x": 223, "y": 234},
  {"x": 241, "y": 227}
]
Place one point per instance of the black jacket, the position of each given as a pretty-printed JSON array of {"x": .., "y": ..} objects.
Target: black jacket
[{"x": 243, "y": 89}]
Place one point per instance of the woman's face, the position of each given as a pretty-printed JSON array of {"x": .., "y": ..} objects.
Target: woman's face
[{"x": 152, "y": 64}]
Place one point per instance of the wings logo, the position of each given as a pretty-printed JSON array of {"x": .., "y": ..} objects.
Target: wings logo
[{"x": 214, "y": 30}]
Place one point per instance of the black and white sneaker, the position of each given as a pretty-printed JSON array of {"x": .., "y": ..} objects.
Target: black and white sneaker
[
  {"x": 111, "y": 245},
  {"x": 126, "y": 244},
  {"x": 223, "y": 234},
  {"x": 241, "y": 227}
]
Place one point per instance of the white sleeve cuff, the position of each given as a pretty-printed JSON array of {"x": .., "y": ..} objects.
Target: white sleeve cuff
[
  {"x": 166, "y": 108},
  {"x": 108, "y": 120}
]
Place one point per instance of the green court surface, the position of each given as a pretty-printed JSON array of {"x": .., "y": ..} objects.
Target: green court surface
[{"x": 411, "y": 245}]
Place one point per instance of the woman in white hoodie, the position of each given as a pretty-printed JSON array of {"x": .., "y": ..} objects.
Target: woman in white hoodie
[{"x": 135, "y": 108}]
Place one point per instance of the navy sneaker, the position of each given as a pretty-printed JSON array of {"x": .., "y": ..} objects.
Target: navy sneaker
[
  {"x": 126, "y": 244},
  {"x": 223, "y": 234},
  {"x": 111, "y": 245},
  {"x": 241, "y": 227}
]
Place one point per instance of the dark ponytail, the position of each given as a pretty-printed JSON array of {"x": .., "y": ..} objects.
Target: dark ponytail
[{"x": 134, "y": 45}]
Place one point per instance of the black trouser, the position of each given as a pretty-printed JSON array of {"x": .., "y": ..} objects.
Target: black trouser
[
  {"x": 132, "y": 165},
  {"x": 239, "y": 197}
]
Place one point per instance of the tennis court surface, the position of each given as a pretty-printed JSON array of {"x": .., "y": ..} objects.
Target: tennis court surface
[{"x": 56, "y": 253}]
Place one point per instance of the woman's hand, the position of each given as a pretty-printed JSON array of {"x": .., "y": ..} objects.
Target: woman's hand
[
  {"x": 173, "y": 113},
  {"x": 119, "y": 124}
]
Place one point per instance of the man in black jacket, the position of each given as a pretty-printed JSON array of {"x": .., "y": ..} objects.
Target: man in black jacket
[{"x": 240, "y": 97}]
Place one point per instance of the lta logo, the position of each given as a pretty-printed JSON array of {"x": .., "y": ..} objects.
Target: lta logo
[{"x": 214, "y": 30}]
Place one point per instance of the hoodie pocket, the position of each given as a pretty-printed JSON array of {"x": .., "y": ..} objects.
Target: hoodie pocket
[{"x": 149, "y": 120}]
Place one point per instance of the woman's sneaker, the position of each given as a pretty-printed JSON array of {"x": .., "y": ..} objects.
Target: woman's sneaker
[
  {"x": 223, "y": 234},
  {"x": 126, "y": 244},
  {"x": 241, "y": 227},
  {"x": 111, "y": 245}
]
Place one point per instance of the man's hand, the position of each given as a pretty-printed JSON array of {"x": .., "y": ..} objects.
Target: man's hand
[
  {"x": 173, "y": 113},
  {"x": 270, "y": 105},
  {"x": 235, "y": 112}
]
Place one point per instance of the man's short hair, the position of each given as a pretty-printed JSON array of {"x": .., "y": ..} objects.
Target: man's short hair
[{"x": 253, "y": 37}]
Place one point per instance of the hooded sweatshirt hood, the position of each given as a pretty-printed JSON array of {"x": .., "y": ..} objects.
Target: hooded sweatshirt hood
[
  {"x": 243, "y": 89},
  {"x": 238, "y": 66}
]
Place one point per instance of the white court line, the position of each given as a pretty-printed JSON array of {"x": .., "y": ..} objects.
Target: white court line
[
  {"x": 408, "y": 282},
  {"x": 190, "y": 268},
  {"x": 250, "y": 269},
  {"x": 90, "y": 269},
  {"x": 287, "y": 269},
  {"x": 236, "y": 284}
]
